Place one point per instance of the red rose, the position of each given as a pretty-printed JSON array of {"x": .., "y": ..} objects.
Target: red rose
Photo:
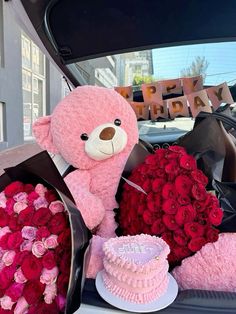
[
  {"x": 181, "y": 252},
  {"x": 49, "y": 260},
  {"x": 19, "y": 257},
  {"x": 199, "y": 177},
  {"x": 172, "y": 168},
  {"x": 188, "y": 162},
  {"x": 199, "y": 192},
  {"x": 151, "y": 159},
  {"x": 180, "y": 237},
  {"x": 14, "y": 240},
  {"x": 4, "y": 218},
  {"x": 194, "y": 229},
  {"x": 147, "y": 217},
  {"x": 158, "y": 227},
  {"x": 185, "y": 213},
  {"x": 25, "y": 216},
  {"x": 4, "y": 241},
  {"x": 6, "y": 276},
  {"x": 212, "y": 235},
  {"x": 177, "y": 149},
  {"x": 170, "y": 222},
  {"x": 200, "y": 206},
  {"x": 15, "y": 291},
  {"x": 170, "y": 206},
  {"x": 14, "y": 188},
  {"x": 65, "y": 263},
  {"x": 62, "y": 284},
  {"x": 32, "y": 197},
  {"x": 59, "y": 252},
  {"x": 184, "y": 199},
  {"x": 157, "y": 185},
  {"x": 168, "y": 191},
  {"x": 202, "y": 219},
  {"x": 196, "y": 244},
  {"x": 9, "y": 206},
  {"x": 41, "y": 216},
  {"x": 50, "y": 196},
  {"x": 58, "y": 223},
  {"x": 13, "y": 223},
  {"x": 42, "y": 233},
  {"x": 146, "y": 185},
  {"x": 28, "y": 188},
  {"x": 64, "y": 239},
  {"x": 168, "y": 237},
  {"x": 33, "y": 291},
  {"x": 31, "y": 267},
  {"x": 216, "y": 216},
  {"x": 183, "y": 185}
]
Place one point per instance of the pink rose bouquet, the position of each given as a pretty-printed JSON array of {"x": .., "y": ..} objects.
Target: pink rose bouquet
[{"x": 35, "y": 250}]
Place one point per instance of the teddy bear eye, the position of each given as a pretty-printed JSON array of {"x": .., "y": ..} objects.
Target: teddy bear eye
[
  {"x": 117, "y": 122},
  {"x": 84, "y": 137}
]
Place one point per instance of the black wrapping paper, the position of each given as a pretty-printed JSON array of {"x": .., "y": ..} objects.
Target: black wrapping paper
[
  {"x": 41, "y": 169},
  {"x": 226, "y": 192},
  {"x": 212, "y": 143}
]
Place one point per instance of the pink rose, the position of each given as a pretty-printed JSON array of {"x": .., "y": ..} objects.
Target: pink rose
[
  {"x": 49, "y": 293},
  {"x": 38, "y": 248},
  {"x": 4, "y": 231},
  {"x": 19, "y": 277},
  {"x": 40, "y": 202},
  {"x": 8, "y": 257},
  {"x": 3, "y": 200},
  {"x": 51, "y": 242},
  {"x": 29, "y": 233},
  {"x": 20, "y": 197},
  {"x": 21, "y": 306},
  {"x": 56, "y": 207},
  {"x": 6, "y": 302},
  {"x": 26, "y": 246},
  {"x": 40, "y": 189},
  {"x": 49, "y": 277},
  {"x": 19, "y": 206}
]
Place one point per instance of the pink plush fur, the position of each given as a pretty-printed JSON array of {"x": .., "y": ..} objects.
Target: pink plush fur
[
  {"x": 211, "y": 268},
  {"x": 94, "y": 182}
]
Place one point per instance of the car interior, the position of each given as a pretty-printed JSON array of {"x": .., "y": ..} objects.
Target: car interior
[{"x": 72, "y": 31}]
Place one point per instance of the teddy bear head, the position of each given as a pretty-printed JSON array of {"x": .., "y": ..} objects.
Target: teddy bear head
[{"x": 88, "y": 126}]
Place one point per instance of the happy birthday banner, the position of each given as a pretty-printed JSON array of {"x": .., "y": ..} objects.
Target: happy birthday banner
[{"x": 195, "y": 98}]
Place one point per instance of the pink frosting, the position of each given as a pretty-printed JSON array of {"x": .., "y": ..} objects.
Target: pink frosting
[
  {"x": 144, "y": 295},
  {"x": 136, "y": 267}
]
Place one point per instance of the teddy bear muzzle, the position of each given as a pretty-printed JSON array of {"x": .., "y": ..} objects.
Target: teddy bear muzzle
[{"x": 105, "y": 141}]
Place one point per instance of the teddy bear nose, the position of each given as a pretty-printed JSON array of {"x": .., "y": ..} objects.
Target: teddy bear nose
[{"x": 107, "y": 134}]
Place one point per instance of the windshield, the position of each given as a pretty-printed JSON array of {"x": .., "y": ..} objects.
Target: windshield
[{"x": 216, "y": 62}]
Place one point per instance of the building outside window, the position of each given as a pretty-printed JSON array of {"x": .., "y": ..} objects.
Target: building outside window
[{"x": 33, "y": 84}]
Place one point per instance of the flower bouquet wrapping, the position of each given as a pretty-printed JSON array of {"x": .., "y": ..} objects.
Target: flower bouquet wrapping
[
  {"x": 166, "y": 196},
  {"x": 43, "y": 240}
]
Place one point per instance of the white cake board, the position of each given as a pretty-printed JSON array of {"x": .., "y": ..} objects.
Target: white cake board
[{"x": 157, "y": 305}]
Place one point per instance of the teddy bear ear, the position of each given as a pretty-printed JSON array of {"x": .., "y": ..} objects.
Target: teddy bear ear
[{"x": 42, "y": 133}]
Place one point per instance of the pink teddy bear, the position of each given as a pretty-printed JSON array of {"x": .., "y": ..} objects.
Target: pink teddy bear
[{"x": 94, "y": 129}]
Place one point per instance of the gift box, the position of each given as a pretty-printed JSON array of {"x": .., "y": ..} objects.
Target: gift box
[{"x": 40, "y": 169}]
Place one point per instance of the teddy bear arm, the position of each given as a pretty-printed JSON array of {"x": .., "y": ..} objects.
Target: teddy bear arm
[{"x": 90, "y": 206}]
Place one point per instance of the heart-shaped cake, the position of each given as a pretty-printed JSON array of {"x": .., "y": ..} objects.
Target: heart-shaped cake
[{"x": 136, "y": 267}]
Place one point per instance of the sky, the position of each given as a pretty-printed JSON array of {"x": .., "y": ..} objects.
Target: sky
[{"x": 168, "y": 62}]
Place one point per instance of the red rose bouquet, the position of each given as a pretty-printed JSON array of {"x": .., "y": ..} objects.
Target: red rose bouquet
[
  {"x": 175, "y": 205},
  {"x": 35, "y": 250}
]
